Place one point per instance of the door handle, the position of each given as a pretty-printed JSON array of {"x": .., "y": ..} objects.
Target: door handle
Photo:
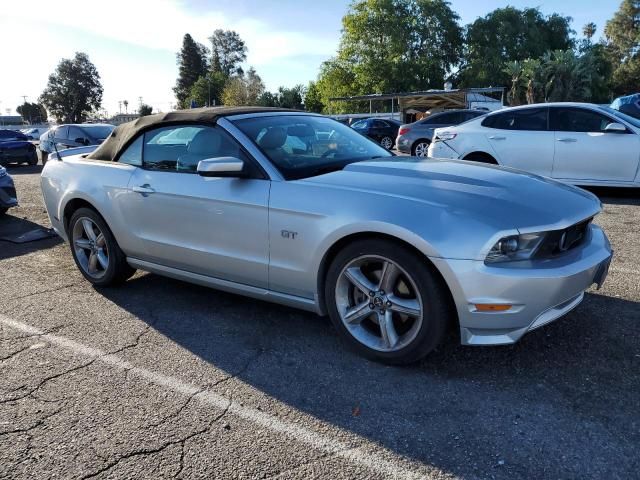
[
  {"x": 497, "y": 137},
  {"x": 143, "y": 189},
  {"x": 567, "y": 140}
]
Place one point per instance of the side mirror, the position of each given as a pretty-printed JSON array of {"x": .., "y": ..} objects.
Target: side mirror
[
  {"x": 615, "y": 127},
  {"x": 221, "y": 167}
]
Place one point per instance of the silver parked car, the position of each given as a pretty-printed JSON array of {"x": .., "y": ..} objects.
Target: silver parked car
[
  {"x": 414, "y": 138},
  {"x": 299, "y": 209}
]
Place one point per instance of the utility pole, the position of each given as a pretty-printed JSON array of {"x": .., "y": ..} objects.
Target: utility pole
[
  {"x": 24, "y": 97},
  {"x": 120, "y": 106}
]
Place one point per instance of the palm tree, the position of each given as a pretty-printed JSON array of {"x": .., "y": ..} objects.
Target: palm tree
[
  {"x": 514, "y": 70},
  {"x": 589, "y": 30},
  {"x": 126, "y": 105}
]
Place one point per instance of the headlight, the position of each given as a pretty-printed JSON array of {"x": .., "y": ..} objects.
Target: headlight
[
  {"x": 444, "y": 136},
  {"x": 515, "y": 247}
]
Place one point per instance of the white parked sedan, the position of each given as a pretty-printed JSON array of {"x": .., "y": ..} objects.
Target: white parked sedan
[{"x": 578, "y": 143}]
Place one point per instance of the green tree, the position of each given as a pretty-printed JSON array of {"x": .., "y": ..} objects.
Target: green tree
[
  {"x": 400, "y": 45},
  {"x": 623, "y": 41},
  {"x": 514, "y": 70},
  {"x": 291, "y": 97},
  {"x": 313, "y": 99},
  {"x": 192, "y": 64},
  {"x": 228, "y": 51},
  {"x": 589, "y": 30},
  {"x": 73, "y": 90},
  {"x": 144, "y": 110},
  {"x": 207, "y": 91},
  {"x": 32, "y": 112},
  {"x": 267, "y": 99},
  {"x": 243, "y": 89},
  {"x": 509, "y": 34}
]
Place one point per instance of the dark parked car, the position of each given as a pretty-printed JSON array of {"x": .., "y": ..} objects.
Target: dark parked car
[
  {"x": 71, "y": 136},
  {"x": 383, "y": 131},
  {"x": 415, "y": 137},
  {"x": 8, "y": 197},
  {"x": 15, "y": 147}
]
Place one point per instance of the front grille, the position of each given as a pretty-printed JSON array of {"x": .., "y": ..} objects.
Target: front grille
[{"x": 559, "y": 242}]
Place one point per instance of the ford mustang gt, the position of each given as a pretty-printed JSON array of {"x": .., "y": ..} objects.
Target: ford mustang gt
[{"x": 299, "y": 209}]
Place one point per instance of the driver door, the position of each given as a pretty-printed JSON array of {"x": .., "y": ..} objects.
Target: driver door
[{"x": 212, "y": 226}]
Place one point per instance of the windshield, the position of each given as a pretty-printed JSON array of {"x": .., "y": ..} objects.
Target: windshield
[
  {"x": 303, "y": 146},
  {"x": 627, "y": 118},
  {"x": 98, "y": 131}
]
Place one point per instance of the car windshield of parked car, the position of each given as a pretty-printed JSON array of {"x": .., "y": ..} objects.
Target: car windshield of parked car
[
  {"x": 627, "y": 118},
  {"x": 305, "y": 146},
  {"x": 98, "y": 131}
]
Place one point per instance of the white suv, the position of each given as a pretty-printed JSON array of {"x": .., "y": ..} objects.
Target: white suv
[{"x": 577, "y": 143}]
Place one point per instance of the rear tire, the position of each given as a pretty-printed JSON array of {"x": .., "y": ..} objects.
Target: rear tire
[
  {"x": 386, "y": 142},
  {"x": 386, "y": 301},
  {"x": 420, "y": 148},
  {"x": 95, "y": 250},
  {"x": 44, "y": 155}
]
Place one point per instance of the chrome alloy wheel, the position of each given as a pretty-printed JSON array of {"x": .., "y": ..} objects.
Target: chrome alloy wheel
[
  {"x": 90, "y": 247},
  {"x": 379, "y": 303},
  {"x": 422, "y": 149},
  {"x": 386, "y": 142}
]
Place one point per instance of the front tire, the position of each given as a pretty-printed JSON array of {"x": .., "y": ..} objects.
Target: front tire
[
  {"x": 386, "y": 301},
  {"x": 95, "y": 250}
]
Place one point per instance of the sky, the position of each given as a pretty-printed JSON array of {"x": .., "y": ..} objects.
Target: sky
[{"x": 133, "y": 43}]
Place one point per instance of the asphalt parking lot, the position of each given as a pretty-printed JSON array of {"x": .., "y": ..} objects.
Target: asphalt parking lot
[{"x": 159, "y": 378}]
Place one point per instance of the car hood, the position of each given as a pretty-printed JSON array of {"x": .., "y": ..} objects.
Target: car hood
[{"x": 501, "y": 197}]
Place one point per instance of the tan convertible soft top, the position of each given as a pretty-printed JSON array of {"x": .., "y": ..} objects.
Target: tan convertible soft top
[{"x": 122, "y": 134}]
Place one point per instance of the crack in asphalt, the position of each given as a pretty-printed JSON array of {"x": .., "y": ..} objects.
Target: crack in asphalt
[
  {"x": 37, "y": 424},
  {"x": 41, "y": 292},
  {"x": 162, "y": 447}
]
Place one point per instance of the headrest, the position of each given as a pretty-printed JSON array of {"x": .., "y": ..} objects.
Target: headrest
[
  {"x": 301, "y": 131},
  {"x": 206, "y": 142},
  {"x": 273, "y": 138}
]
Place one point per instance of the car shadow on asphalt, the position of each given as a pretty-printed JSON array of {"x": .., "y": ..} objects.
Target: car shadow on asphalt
[
  {"x": 12, "y": 226},
  {"x": 619, "y": 196},
  {"x": 502, "y": 412}
]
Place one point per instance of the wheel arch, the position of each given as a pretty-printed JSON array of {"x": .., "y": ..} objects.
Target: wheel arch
[
  {"x": 338, "y": 245},
  {"x": 482, "y": 157},
  {"x": 71, "y": 206}
]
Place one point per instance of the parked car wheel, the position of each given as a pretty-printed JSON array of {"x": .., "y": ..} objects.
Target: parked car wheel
[
  {"x": 95, "y": 250},
  {"x": 386, "y": 301},
  {"x": 420, "y": 148},
  {"x": 386, "y": 142},
  {"x": 44, "y": 156},
  {"x": 3, "y": 210},
  {"x": 33, "y": 160}
]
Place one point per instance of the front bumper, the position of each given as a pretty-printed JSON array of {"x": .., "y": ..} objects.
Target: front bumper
[
  {"x": 539, "y": 291},
  {"x": 8, "y": 197}
]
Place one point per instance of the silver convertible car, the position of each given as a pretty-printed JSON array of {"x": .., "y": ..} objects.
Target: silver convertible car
[{"x": 299, "y": 209}]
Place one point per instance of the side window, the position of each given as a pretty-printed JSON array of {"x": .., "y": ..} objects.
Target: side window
[
  {"x": 531, "y": 119},
  {"x": 380, "y": 124},
  {"x": 180, "y": 148},
  {"x": 75, "y": 133},
  {"x": 578, "y": 120},
  {"x": 62, "y": 133},
  {"x": 133, "y": 154},
  {"x": 472, "y": 115},
  {"x": 360, "y": 124}
]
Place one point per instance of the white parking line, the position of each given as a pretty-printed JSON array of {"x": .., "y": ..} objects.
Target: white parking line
[{"x": 318, "y": 441}]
